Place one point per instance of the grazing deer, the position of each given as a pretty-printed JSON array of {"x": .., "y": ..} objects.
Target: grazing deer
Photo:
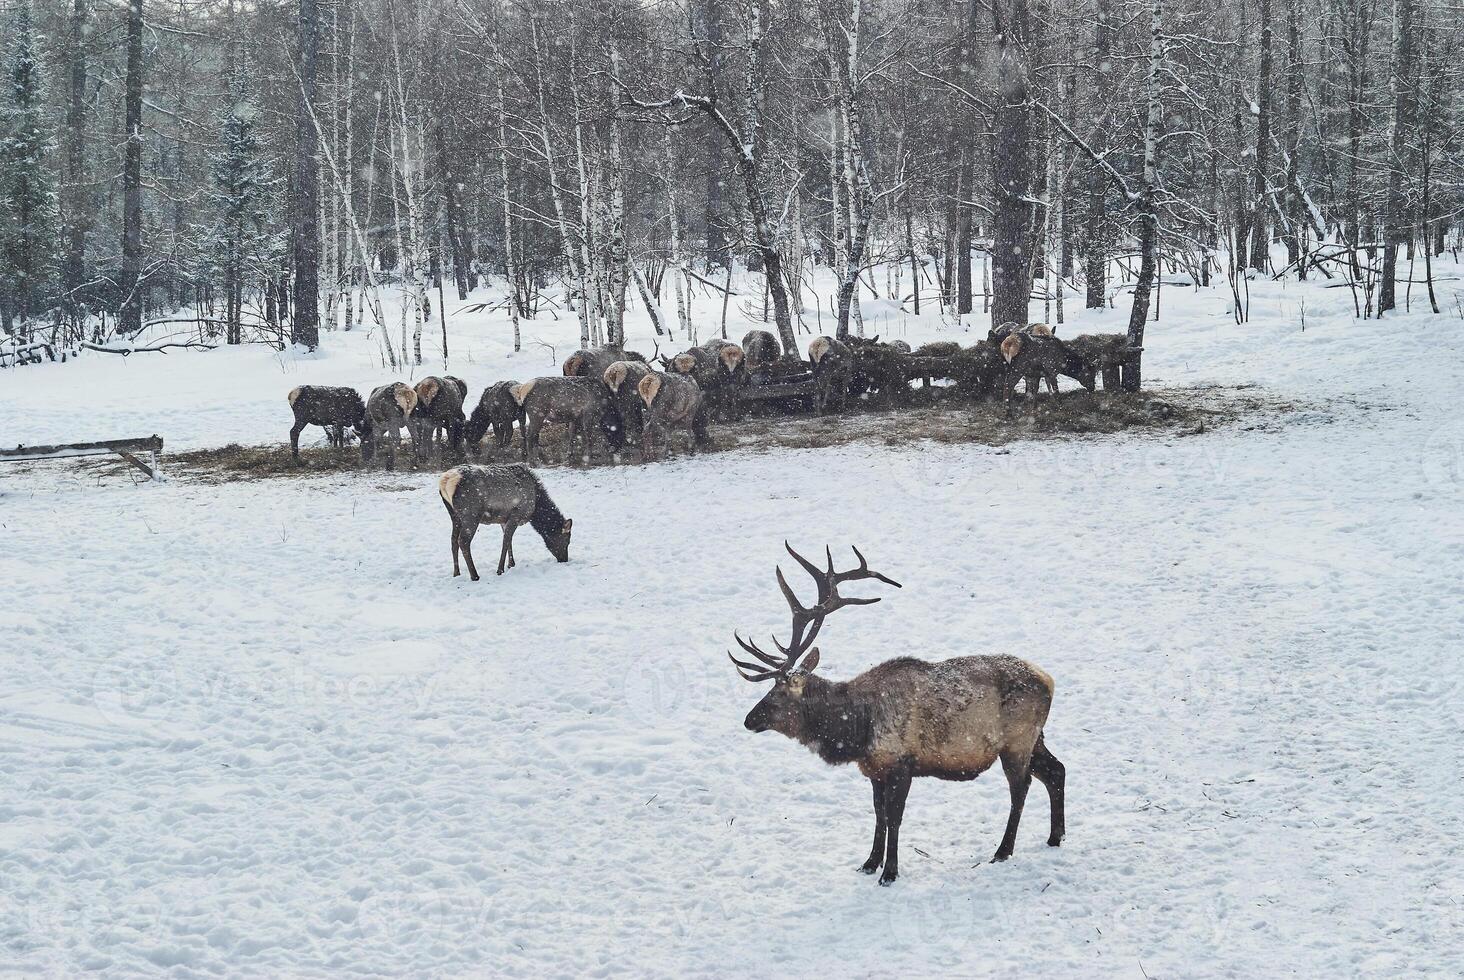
[
  {"x": 388, "y": 412},
  {"x": 623, "y": 378},
  {"x": 997, "y": 334},
  {"x": 761, "y": 349},
  {"x": 1106, "y": 353},
  {"x": 439, "y": 408},
  {"x": 496, "y": 409},
  {"x": 1035, "y": 356},
  {"x": 882, "y": 369},
  {"x": 592, "y": 363},
  {"x": 906, "y": 717},
  {"x": 833, "y": 366},
  {"x": 977, "y": 369},
  {"x": 330, "y": 408},
  {"x": 672, "y": 401},
  {"x": 719, "y": 368},
  {"x": 938, "y": 348},
  {"x": 583, "y": 404},
  {"x": 508, "y": 495}
]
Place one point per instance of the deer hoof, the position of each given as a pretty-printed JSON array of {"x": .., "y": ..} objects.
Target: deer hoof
[
  {"x": 869, "y": 867},
  {"x": 475, "y": 578},
  {"x": 1054, "y": 842},
  {"x": 887, "y": 879},
  {"x": 1000, "y": 857}
]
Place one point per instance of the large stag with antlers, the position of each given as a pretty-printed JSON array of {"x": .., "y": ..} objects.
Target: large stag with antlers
[{"x": 906, "y": 717}]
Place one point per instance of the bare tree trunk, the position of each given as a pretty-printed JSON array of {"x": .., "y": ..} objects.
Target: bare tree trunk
[
  {"x": 1148, "y": 205},
  {"x": 510, "y": 263},
  {"x": 616, "y": 253},
  {"x": 677, "y": 270},
  {"x": 76, "y": 195},
  {"x": 129, "y": 317},
  {"x": 1095, "y": 246},
  {"x": 1011, "y": 283},
  {"x": 305, "y": 323},
  {"x": 1397, "y": 227},
  {"x": 1260, "y": 251}
]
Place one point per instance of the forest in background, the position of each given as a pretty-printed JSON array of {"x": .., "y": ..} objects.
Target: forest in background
[{"x": 265, "y": 171}]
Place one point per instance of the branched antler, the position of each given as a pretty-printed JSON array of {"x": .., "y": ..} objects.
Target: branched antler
[{"x": 807, "y": 620}]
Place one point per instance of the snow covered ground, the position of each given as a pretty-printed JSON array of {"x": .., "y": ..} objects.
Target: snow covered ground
[{"x": 257, "y": 730}]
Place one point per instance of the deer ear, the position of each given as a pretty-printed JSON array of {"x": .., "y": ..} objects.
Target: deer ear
[
  {"x": 810, "y": 661},
  {"x": 568, "y": 523}
]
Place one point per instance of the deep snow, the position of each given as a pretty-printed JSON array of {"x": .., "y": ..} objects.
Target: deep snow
[{"x": 256, "y": 729}]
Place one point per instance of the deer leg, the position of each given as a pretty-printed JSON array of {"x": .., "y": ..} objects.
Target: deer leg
[
  {"x": 453, "y": 517},
  {"x": 1051, "y": 383},
  {"x": 897, "y": 787},
  {"x": 1018, "y": 770},
  {"x": 465, "y": 538},
  {"x": 295, "y": 441},
  {"x": 569, "y": 442},
  {"x": 392, "y": 446},
  {"x": 507, "y": 547},
  {"x": 1052, "y": 774},
  {"x": 876, "y": 853},
  {"x": 531, "y": 441}
]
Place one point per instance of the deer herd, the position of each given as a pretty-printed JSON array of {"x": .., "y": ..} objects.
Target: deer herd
[
  {"x": 609, "y": 396},
  {"x": 904, "y": 718}
]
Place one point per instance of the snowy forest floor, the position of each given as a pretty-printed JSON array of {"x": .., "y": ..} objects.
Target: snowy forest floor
[{"x": 255, "y": 728}]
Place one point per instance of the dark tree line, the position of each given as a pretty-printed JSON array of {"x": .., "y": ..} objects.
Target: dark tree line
[{"x": 267, "y": 170}]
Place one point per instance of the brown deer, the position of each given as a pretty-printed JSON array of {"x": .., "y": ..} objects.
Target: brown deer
[
  {"x": 330, "y": 408},
  {"x": 761, "y": 349},
  {"x": 719, "y": 368},
  {"x": 1106, "y": 353},
  {"x": 672, "y": 402},
  {"x": 439, "y": 408},
  {"x": 592, "y": 363},
  {"x": 583, "y": 404},
  {"x": 623, "y": 378},
  {"x": 1036, "y": 356},
  {"x": 498, "y": 410},
  {"x": 388, "y": 412},
  {"x": 906, "y": 717},
  {"x": 833, "y": 366},
  {"x": 508, "y": 495}
]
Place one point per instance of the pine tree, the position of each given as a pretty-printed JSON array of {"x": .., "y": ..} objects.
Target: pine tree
[
  {"x": 27, "y": 199},
  {"x": 241, "y": 245}
]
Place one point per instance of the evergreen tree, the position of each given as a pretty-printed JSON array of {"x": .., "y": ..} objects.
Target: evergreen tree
[
  {"x": 27, "y": 199},
  {"x": 241, "y": 245}
]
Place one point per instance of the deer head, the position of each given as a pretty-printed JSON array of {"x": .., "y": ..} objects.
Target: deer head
[{"x": 779, "y": 708}]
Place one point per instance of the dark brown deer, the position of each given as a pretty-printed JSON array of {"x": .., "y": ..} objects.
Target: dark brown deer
[
  {"x": 997, "y": 334},
  {"x": 672, "y": 401},
  {"x": 330, "y": 408},
  {"x": 508, "y": 495},
  {"x": 760, "y": 349},
  {"x": 1106, "y": 353},
  {"x": 623, "y": 378},
  {"x": 592, "y": 363},
  {"x": 881, "y": 369},
  {"x": 977, "y": 369},
  {"x": 719, "y": 369},
  {"x": 388, "y": 412},
  {"x": 439, "y": 408},
  {"x": 1036, "y": 356},
  {"x": 833, "y": 366},
  {"x": 906, "y": 717},
  {"x": 583, "y": 404},
  {"x": 496, "y": 409}
]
